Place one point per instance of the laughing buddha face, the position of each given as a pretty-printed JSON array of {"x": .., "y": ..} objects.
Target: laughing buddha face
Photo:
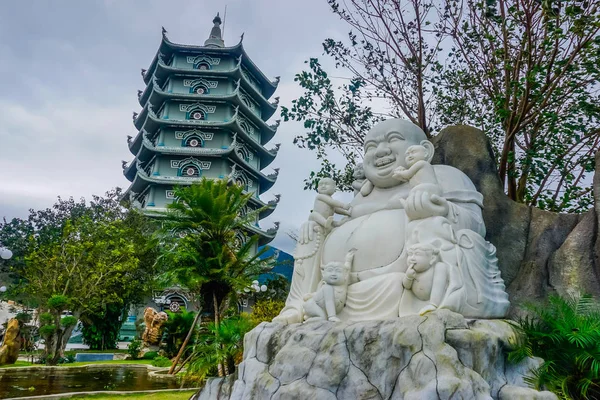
[{"x": 385, "y": 148}]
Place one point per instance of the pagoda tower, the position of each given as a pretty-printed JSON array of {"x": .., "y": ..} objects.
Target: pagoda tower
[{"x": 204, "y": 113}]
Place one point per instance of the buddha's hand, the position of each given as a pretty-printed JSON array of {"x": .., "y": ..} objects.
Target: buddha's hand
[
  {"x": 308, "y": 232},
  {"x": 421, "y": 205}
]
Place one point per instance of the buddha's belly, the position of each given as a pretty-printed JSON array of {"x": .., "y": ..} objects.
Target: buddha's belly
[{"x": 378, "y": 238}]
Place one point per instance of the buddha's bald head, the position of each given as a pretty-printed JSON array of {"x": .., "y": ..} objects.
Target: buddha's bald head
[
  {"x": 385, "y": 147},
  {"x": 407, "y": 128}
]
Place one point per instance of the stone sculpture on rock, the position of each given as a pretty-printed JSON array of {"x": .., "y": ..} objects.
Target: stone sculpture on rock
[
  {"x": 403, "y": 202},
  {"x": 154, "y": 326},
  {"x": 358, "y": 176},
  {"x": 326, "y": 206},
  {"x": 330, "y": 297},
  {"x": 419, "y": 172},
  {"x": 9, "y": 352}
]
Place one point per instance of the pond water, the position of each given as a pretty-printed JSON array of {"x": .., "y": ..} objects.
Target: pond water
[{"x": 17, "y": 382}]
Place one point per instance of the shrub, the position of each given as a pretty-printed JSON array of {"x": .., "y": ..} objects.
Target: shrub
[
  {"x": 566, "y": 334},
  {"x": 161, "y": 361},
  {"x": 266, "y": 310},
  {"x": 67, "y": 359},
  {"x": 151, "y": 355},
  {"x": 70, "y": 357},
  {"x": 218, "y": 345},
  {"x": 176, "y": 328},
  {"x": 133, "y": 349}
]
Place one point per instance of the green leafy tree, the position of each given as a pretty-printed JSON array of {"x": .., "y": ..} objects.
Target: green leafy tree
[
  {"x": 89, "y": 256},
  {"x": 201, "y": 249},
  {"x": 566, "y": 334},
  {"x": 101, "y": 329},
  {"x": 525, "y": 72}
]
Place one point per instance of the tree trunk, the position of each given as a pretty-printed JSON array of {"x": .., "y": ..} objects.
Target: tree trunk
[
  {"x": 185, "y": 342},
  {"x": 217, "y": 323}
]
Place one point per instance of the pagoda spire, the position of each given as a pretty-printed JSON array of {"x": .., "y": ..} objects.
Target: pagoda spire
[{"x": 215, "y": 39}]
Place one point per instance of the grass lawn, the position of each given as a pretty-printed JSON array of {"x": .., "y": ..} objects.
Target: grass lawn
[
  {"x": 17, "y": 364},
  {"x": 184, "y": 395},
  {"x": 78, "y": 364},
  {"x": 113, "y": 351}
]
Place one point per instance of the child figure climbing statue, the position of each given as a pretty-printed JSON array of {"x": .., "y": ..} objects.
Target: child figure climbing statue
[
  {"x": 420, "y": 172},
  {"x": 330, "y": 297},
  {"x": 326, "y": 206}
]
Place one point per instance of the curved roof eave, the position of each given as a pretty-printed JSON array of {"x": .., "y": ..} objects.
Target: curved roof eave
[
  {"x": 238, "y": 49},
  {"x": 163, "y": 71},
  {"x": 140, "y": 119},
  {"x": 179, "y": 180},
  {"x": 185, "y": 122},
  {"x": 183, "y": 151},
  {"x": 266, "y": 182},
  {"x": 131, "y": 170},
  {"x": 199, "y": 151},
  {"x": 135, "y": 143},
  {"x": 143, "y": 98},
  {"x": 265, "y": 237}
]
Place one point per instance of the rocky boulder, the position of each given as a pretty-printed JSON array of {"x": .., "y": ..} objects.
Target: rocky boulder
[
  {"x": 437, "y": 356},
  {"x": 539, "y": 252},
  {"x": 9, "y": 352}
]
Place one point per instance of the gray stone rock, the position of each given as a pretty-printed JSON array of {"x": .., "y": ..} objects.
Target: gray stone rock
[
  {"x": 539, "y": 252},
  {"x": 521, "y": 393},
  {"x": 436, "y": 356}
]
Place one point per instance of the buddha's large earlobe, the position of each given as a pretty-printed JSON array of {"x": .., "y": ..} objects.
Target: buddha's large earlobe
[{"x": 430, "y": 149}]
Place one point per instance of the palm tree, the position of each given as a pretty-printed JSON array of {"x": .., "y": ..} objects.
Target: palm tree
[{"x": 199, "y": 245}]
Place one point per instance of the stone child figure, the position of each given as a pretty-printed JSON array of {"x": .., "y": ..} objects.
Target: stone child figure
[
  {"x": 358, "y": 176},
  {"x": 427, "y": 277},
  {"x": 326, "y": 206},
  {"x": 419, "y": 172},
  {"x": 330, "y": 298}
]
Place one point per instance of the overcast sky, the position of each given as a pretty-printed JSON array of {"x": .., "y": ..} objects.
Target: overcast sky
[{"x": 69, "y": 75}]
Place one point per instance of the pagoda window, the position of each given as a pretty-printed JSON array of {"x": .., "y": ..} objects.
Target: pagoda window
[
  {"x": 200, "y": 89},
  {"x": 193, "y": 141},
  {"x": 203, "y": 66},
  {"x": 189, "y": 171},
  {"x": 196, "y": 115}
]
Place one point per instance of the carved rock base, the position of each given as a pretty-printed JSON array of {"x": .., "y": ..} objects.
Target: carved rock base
[{"x": 437, "y": 356}]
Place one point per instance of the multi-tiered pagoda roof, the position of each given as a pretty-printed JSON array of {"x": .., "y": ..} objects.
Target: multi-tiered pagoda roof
[{"x": 204, "y": 114}]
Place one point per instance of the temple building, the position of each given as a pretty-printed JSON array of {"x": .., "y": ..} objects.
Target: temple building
[{"x": 204, "y": 113}]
